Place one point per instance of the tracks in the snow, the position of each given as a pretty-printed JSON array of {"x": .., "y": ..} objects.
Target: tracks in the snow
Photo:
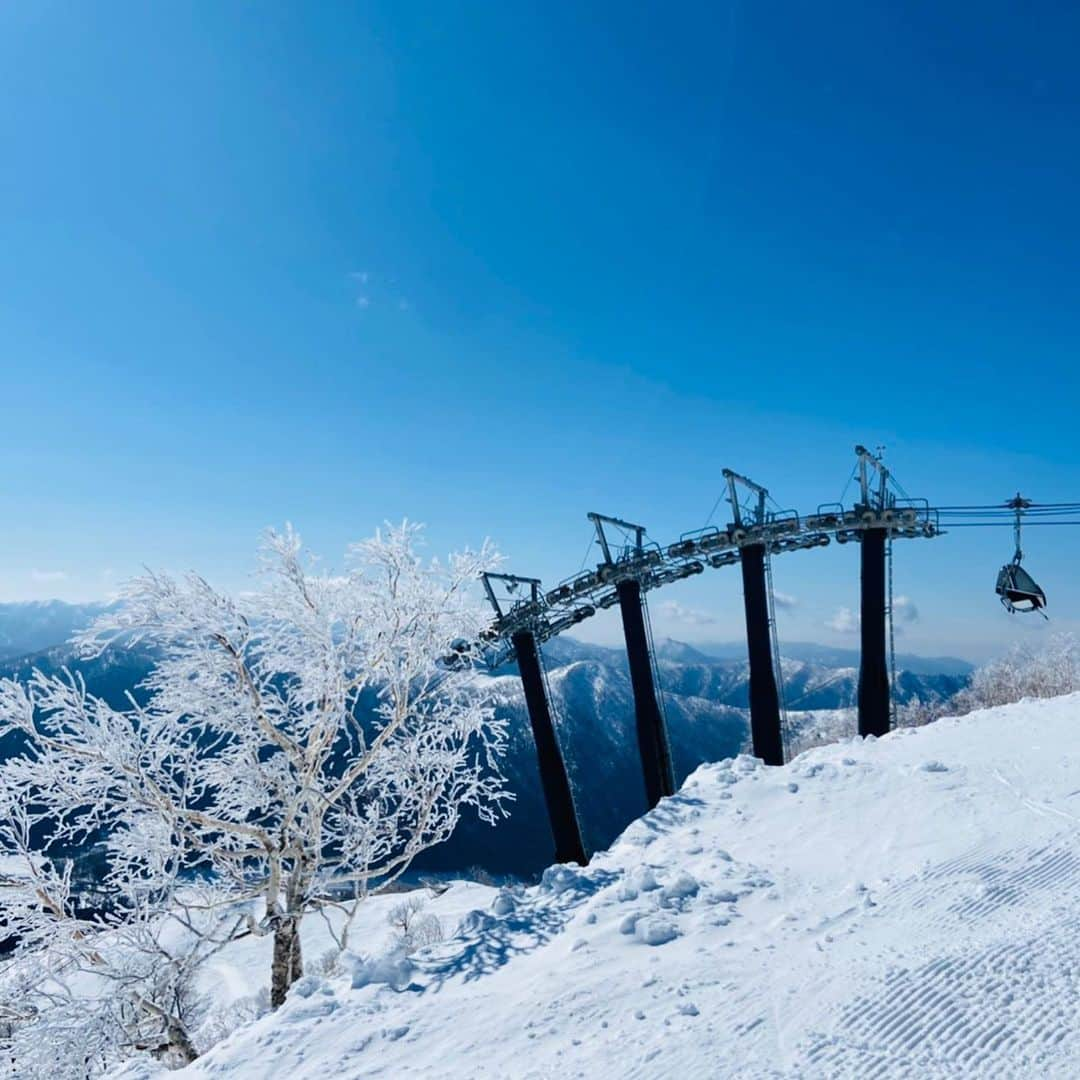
[{"x": 1001, "y": 1004}]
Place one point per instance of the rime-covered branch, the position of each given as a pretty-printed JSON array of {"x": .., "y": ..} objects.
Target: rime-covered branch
[{"x": 298, "y": 738}]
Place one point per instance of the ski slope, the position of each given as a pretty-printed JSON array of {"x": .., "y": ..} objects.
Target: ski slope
[{"x": 907, "y": 907}]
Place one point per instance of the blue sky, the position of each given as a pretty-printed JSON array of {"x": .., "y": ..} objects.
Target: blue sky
[{"x": 492, "y": 266}]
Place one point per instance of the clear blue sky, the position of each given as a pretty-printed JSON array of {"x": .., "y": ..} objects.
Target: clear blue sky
[{"x": 494, "y": 265}]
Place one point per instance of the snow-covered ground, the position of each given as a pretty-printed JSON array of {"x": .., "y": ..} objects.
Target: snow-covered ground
[{"x": 906, "y": 907}]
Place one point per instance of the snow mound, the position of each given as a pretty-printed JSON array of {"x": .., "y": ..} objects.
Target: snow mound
[{"x": 899, "y": 907}]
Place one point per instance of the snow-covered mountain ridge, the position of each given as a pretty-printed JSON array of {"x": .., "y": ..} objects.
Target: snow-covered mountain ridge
[
  {"x": 705, "y": 704},
  {"x": 30, "y": 626},
  {"x": 901, "y": 907}
]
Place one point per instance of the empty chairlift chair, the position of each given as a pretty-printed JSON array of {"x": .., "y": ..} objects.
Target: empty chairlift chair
[{"x": 1017, "y": 589}]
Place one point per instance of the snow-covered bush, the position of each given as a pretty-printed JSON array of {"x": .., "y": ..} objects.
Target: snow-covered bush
[
  {"x": 915, "y": 712},
  {"x": 415, "y": 928},
  {"x": 1024, "y": 672},
  {"x": 83, "y": 994},
  {"x": 293, "y": 749}
]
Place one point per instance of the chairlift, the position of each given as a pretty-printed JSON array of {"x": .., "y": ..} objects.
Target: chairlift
[{"x": 1018, "y": 590}]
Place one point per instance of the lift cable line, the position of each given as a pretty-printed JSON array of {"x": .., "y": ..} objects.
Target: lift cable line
[
  {"x": 1016, "y": 588},
  {"x": 992, "y": 524},
  {"x": 712, "y": 512},
  {"x": 1005, "y": 507}
]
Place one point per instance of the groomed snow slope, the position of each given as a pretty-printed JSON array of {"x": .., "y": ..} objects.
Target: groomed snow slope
[{"x": 906, "y": 907}]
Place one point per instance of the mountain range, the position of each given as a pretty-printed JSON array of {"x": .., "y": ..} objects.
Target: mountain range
[
  {"x": 705, "y": 702},
  {"x": 39, "y": 624}
]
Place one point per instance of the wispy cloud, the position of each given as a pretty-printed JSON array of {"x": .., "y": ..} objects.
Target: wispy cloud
[
  {"x": 361, "y": 280},
  {"x": 905, "y": 610},
  {"x": 845, "y": 621},
  {"x": 675, "y": 612},
  {"x": 373, "y": 290},
  {"x": 785, "y": 601},
  {"x": 44, "y": 576}
]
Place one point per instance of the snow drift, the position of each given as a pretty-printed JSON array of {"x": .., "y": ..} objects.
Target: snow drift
[{"x": 901, "y": 907}]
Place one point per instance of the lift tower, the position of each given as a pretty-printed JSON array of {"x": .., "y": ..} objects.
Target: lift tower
[
  {"x": 765, "y": 725},
  {"x": 653, "y": 744},
  {"x": 565, "y": 828},
  {"x": 874, "y": 508}
]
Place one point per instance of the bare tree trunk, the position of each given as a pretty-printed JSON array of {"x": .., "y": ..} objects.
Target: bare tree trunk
[
  {"x": 297, "y": 969},
  {"x": 288, "y": 964},
  {"x": 179, "y": 1050}
]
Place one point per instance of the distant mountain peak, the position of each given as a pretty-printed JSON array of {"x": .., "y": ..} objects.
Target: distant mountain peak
[
  {"x": 31, "y": 626},
  {"x": 681, "y": 652}
]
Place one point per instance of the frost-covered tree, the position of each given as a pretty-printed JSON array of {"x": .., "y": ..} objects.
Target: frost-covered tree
[
  {"x": 85, "y": 992},
  {"x": 414, "y": 928},
  {"x": 294, "y": 747},
  {"x": 1049, "y": 670}
]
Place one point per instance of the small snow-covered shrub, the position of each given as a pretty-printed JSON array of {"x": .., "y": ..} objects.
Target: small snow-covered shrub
[
  {"x": 99, "y": 991},
  {"x": 223, "y": 1020},
  {"x": 415, "y": 928},
  {"x": 917, "y": 713},
  {"x": 327, "y": 965},
  {"x": 1025, "y": 672}
]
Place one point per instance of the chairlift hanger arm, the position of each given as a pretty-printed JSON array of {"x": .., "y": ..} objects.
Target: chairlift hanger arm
[
  {"x": 867, "y": 461},
  {"x": 1018, "y": 505},
  {"x": 512, "y": 581},
  {"x": 600, "y": 520},
  {"x": 762, "y": 494}
]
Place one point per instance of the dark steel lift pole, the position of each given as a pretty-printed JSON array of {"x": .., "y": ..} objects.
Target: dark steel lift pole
[
  {"x": 569, "y": 847},
  {"x": 765, "y": 730},
  {"x": 873, "y": 667},
  {"x": 651, "y": 730},
  {"x": 764, "y": 698}
]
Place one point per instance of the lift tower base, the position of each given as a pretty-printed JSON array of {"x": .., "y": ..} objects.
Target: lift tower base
[
  {"x": 569, "y": 846},
  {"x": 765, "y": 728},
  {"x": 873, "y": 666},
  {"x": 651, "y": 729}
]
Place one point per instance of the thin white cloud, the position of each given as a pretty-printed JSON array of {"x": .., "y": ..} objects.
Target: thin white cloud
[
  {"x": 905, "y": 609},
  {"x": 785, "y": 601},
  {"x": 845, "y": 621},
  {"x": 377, "y": 291},
  {"x": 362, "y": 282},
  {"x": 44, "y": 576},
  {"x": 675, "y": 612}
]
